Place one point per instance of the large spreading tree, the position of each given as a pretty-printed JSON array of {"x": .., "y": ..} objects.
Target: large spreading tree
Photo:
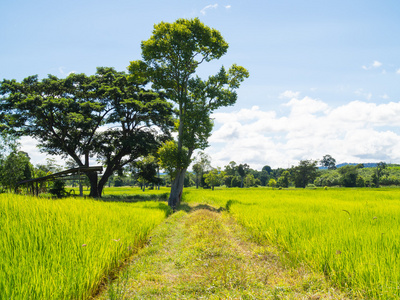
[
  {"x": 109, "y": 115},
  {"x": 170, "y": 58}
]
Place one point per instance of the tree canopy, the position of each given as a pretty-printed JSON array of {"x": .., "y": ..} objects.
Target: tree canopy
[
  {"x": 201, "y": 164},
  {"x": 109, "y": 115},
  {"x": 214, "y": 177},
  {"x": 8, "y": 142},
  {"x": 147, "y": 171},
  {"x": 14, "y": 168},
  {"x": 328, "y": 162},
  {"x": 242, "y": 170},
  {"x": 304, "y": 173}
]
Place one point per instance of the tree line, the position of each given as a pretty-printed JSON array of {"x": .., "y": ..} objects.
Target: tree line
[
  {"x": 15, "y": 166},
  {"x": 308, "y": 173}
]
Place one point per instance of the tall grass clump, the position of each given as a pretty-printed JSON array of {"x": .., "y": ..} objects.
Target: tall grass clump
[
  {"x": 63, "y": 249},
  {"x": 351, "y": 235}
]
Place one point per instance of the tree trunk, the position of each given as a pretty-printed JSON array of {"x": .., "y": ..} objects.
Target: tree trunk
[
  {"x": 103, "y": 181},
  {"x": 175, "y": 196},
  {"x": 94, "y": 193}
]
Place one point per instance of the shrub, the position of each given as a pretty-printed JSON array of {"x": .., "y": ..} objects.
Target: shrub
[
  {"x": 272, "y": 182},
  {"x": 58, "y": 189},
  {"x": 360, "y": 182}
]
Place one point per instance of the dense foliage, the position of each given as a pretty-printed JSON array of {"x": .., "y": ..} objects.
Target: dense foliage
[{"x": 108, "y": 115}]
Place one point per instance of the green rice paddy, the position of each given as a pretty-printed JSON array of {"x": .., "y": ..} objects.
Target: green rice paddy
[
  {"x": 64, "y": 249},
  {"x": 351, "y": 235}
]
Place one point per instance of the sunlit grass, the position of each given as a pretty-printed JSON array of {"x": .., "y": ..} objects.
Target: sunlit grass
[
  {"x": 204, "y": 254},
  {"x": 124, "y": 191},
  {"x": 63, "y": 249},
  {"x": 351, "y": 235}
]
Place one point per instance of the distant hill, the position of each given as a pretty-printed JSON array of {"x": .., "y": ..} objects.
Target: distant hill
[{"x": 366, "y": 165}]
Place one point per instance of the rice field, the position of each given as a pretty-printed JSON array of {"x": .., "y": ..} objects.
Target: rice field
[
  {"x": 63, "y": 249},
  {"x": 122, "y": 191},
  {"x": 351, "y": 235}
]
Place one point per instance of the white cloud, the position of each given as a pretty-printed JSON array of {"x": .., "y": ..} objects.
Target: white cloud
[
  {"x": 211, "y": 6},
  {"x": 375, "y": 64},
  {"x": 305, "y": 106},
  {"x": 398, "y": 71},
  {"x": 289, "y": 94},
  {"x": 355, "y": 132},
  {"x": 228, "y": 6}
]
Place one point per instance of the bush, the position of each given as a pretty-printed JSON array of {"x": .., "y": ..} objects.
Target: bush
[
  {"x": 329, "y": 178},
  {"x": 58, "y": 189},
  {"x": 272, "y": 182},
  {"x": 360, "y": 182},
  {"x": 350, "y": 176},
  {"x": 235, "y": 182}
]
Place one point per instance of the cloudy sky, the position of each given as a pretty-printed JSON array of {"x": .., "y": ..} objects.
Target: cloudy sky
[{"x": 324, "y": 75}]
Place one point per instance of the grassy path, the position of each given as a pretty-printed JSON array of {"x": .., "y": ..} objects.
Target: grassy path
[{"x": 204, "y": 254}]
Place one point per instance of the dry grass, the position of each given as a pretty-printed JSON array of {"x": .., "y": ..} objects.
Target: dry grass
[{"x": 205, "y": 254}]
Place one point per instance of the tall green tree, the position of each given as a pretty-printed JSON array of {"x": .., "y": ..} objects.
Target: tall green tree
[
  {"x": 249, "y": 180},
  {"x": 328, "y": 162},
  {"x": 267, "y": 169},
  {"x": 304, "y": 173},
  {"x": 15, "y": 167},
  {"x": 283, "y": 180},
  {"x": 379, "y": 172},
  {"x": 214, "y": 177},
  {"x": 231, "y": 168},
  {"x": 109, "y": 116},
  {"x": 171, "y": 57},
  {"x": 349, "y": 174},
  {"x": 242, "y": 170},
  {"x": 202, "y": 163},
  {"x": 147, "y": 171}
]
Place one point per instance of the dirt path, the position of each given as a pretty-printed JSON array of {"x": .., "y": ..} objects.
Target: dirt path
[{"x": 204, "y": 254}]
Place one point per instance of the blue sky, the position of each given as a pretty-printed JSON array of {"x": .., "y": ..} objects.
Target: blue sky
[{"x": 324, "y": 75}]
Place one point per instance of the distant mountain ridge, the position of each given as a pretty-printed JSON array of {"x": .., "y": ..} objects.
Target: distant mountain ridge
[{"x": 366, "y": 165}]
